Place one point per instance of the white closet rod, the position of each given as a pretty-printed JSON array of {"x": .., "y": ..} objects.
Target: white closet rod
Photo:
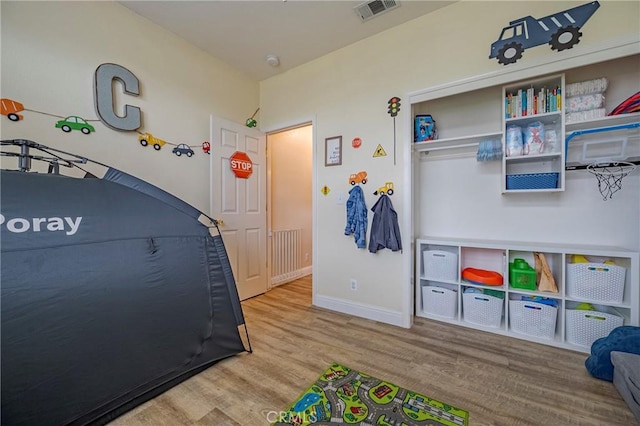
[{"x": 440, "y": 148}]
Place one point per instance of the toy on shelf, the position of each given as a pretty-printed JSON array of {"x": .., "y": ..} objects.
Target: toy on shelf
[
  {"x": 578, "y": 258},
  {"x": 544, "y": 277},
  {"x": 481, "y": 276},
  {"x": 425, "y": 128},
  {"x": 521, "y": 275},
  {"x": 585, "y": 306},
  {"x": 541, "y": 300}
]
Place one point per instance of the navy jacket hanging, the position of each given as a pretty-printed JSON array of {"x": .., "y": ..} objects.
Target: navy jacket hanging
[
  {"x": 357, "y": 217},
  {"x": 385, "y": 232}
]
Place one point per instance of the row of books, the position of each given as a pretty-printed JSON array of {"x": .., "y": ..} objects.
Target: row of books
[{"x": 526, "y": 102}]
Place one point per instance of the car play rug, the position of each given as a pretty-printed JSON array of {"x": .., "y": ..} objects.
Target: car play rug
[{"x": 345, "y": 396}]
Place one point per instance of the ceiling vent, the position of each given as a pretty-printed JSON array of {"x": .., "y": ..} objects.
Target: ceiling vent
[{"x": 374, "y": 8}]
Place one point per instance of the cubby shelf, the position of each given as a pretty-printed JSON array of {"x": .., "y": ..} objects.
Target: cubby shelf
[
  {"x": 496, "y": 256},
  {"x": 533, "y": 171}
]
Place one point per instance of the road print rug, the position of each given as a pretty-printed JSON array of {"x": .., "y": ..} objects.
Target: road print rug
[{"x": 345, "y": 396}]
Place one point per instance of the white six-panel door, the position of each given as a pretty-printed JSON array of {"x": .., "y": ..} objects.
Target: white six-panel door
[{"x": 241, "y": 203}]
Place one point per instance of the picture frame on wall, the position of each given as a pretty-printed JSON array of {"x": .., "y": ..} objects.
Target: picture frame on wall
[{"x": 333, "y": 151}]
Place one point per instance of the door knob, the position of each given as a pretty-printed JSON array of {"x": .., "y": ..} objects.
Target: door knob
[{"x": 219, "y": 221}]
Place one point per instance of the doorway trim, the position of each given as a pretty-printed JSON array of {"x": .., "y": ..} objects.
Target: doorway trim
[{"x": 283, "y": 127}]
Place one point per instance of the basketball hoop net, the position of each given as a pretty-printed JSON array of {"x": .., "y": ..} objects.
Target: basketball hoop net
[{"x": 610, "y": 176}]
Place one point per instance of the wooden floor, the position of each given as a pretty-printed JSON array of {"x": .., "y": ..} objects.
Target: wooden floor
[{"x": 498, "y": 380}]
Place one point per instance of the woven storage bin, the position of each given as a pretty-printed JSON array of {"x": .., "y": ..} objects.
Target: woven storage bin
[
  {"x": 440, "y": 265},
  {"x": 482, "y": 309},
  {"x": 533, "y": 181},
  {"x": 596, "y": 282},
  {"x": 585, "y": 327},
  {"x": 534, "y": 319},
  {"x": 439, "y": 301}
]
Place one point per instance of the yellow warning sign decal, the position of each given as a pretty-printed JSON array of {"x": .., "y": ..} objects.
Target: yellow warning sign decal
[{"x": 379, "y": 152}]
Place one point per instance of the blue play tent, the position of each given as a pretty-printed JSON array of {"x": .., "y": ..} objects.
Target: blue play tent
[{"x": 113, "y": 291}]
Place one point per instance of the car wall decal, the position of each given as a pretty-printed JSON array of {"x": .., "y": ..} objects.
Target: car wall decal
[
  {"x": 206, "y": 147},
  {"x": 13, "y": 110},
  {"x": 183, "y": 149},
  {"x": 75, "y": 123},
  {"x": 251, "y": 121},
  {"x": 360, "y": 177}
]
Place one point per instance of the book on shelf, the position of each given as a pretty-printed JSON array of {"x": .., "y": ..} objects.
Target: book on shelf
[{"x": 529, "y": 102}]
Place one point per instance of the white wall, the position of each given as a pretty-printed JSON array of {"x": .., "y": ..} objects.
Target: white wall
[
  {"x": 348, "y": 90},
  {"x": 50, "y": 51}
]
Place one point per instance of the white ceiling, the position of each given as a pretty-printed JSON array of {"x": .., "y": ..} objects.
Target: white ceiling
[{"x": 242, "y": 33}]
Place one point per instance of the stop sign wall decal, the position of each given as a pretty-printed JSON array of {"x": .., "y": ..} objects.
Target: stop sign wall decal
[{"x": 241, "y": 164}]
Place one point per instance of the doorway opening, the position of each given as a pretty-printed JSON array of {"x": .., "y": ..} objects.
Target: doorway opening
[{"x": 290, "y": 203}]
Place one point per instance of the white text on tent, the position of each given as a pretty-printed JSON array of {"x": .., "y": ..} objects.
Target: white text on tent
[{"x": 37, "y": 224}]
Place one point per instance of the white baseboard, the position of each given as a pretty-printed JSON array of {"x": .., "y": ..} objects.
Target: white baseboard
[
  {"x": 360, "y": 310},
  {"x": 306, "y": 271},
  {"x": 291, "y": 276}
]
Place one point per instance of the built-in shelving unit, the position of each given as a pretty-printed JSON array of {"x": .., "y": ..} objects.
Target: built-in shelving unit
[
  {"x": 453, "y": 193},
  {"x": 443, "y": 294}
]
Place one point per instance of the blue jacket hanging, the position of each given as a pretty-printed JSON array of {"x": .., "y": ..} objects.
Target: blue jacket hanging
[
  {"x": 357, "y": 217},
  {"x": 385, "y": 232}
]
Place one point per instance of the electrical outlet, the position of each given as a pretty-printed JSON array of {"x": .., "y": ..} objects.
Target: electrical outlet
[
  {"x": 354, "y": 284},
  {"x": 306, "y": 257}
]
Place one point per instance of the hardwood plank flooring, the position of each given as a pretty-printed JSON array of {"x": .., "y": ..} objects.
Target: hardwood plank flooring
[{"x": 499, "y": 380}]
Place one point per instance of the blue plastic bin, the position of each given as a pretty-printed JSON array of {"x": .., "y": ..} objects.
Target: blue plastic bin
[{"x": 533, "y": 181}]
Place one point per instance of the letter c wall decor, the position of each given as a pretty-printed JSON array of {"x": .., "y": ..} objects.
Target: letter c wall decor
[{"x": 104, "y": 102}]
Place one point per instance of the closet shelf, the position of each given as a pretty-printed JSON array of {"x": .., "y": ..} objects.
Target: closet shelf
[
  {"x": 534, "y": 157},
  {"x": 453, "y": 143},
  {"x": 610, "y": 120}
]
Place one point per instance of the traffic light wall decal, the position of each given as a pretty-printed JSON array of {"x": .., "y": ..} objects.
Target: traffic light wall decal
[{"x": 394, "y": 108}]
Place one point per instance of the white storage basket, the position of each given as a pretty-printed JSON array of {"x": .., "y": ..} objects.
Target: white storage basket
[
  {"x": 534, "y": 319},
  {"x": 482, "y": 309},
  {"x": 585, "y": 327},
  {"x": 596, "y": 282},
  {"x": 440, "y": 265},
  {"x": 439, "y": 301}
]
